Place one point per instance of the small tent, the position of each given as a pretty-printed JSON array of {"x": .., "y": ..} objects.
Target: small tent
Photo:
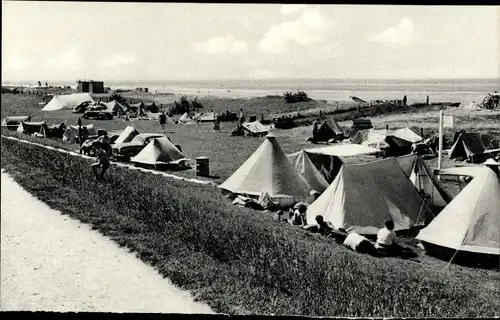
[
  {"x": 406, "y": 134},
  {"x": 471, "y": 106},
  {"x": 361, "y": 124},
  {"x": 470, "y": 223},
  {"x": 185, "y": 118},
  {"x": 466, "y": 145},
  {"x": 53, "y": 131},
  {"x": 268, "y": 170},
  {"x": 255, "y": 128},
  {"x": 363, "y": 196},
  {"x": 31, "y": 127},
  {"x": 127, "y": 135},
  {"x": 115, "y": 107},
  {"x": 12, "y": 123},
  {"x": 68, "y": 101},
  {"x": 151, "y": 107},
  {"x": 136, "y": 107},
  {"x": 327, "y": 164},
  {"x": 205, "y": 117},
  {"x": 329, "y": 129},
  {"x": 308, "y": 171},
  {"x": 159, "y": 151},
  {"x": 423, "y": 179},
  {"x": 396, "y": 143}
]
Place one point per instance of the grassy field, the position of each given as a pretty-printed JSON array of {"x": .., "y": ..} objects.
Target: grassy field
[{"x": 239, "y": 261}]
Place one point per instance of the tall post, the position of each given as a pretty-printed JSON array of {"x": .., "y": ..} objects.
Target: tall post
[{"x": 440, "y": 138}]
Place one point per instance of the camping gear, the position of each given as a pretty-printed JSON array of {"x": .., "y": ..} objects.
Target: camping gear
[
  {"x": 202, "y": 166},
  {"x": 361, "y": 124},
  {"x": 127, "y": 135},
  {"x": 424, "y": 180},
  {"x": 308, "y": 171},
  {"x": 469, "y": 224},
  {"x": 268, "y": 170},
  {"x": 466, "y": 145},
  {"x": 363, "y": 196},
  {"x": 31, "y": 127},
  {"x": 12, "y": 123},
  {"x": 160, "y": 151},
  {"x": 68, "y": 101}
]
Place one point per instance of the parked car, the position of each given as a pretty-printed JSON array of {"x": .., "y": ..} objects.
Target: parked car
[
  {"x": 99, "y": 115},
  {"x": 127, "y": 150}
]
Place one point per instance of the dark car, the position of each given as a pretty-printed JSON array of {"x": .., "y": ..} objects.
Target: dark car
[
  {"x": 127, "y": 150},
  {"x": 99, "y": 115}
]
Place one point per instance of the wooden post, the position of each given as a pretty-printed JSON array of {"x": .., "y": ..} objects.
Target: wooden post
[
  {"x": 428, "y": 100},
  {"x": 422, "y": 132}
]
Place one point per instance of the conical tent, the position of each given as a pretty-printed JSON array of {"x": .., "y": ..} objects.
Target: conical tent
[
  {"x": 423, "y": 179},
  {"x": 466, "y": 145},
  {"x": 158, "y": 151},
  {"x": 363, "y": 196},
  {"x": 267, "y": 170},
  {"x": 68, "y": 101},
  {"x": 305, "y": 167},
  {"x": 127, "y": 135},
  {"x": 471, "y": 222},
  {"x": 115, "y": 107}
]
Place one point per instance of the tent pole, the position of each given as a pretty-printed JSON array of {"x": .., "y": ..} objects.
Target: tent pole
[
  {"x": 451, "y": 259},
  {"x": 440, "y": 156}
]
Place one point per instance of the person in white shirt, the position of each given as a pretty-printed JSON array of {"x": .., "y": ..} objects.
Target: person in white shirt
[{"x": 386, "y": 237}]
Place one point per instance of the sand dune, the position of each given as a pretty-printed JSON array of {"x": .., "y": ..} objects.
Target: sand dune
[{"x": 51, "y": 262}]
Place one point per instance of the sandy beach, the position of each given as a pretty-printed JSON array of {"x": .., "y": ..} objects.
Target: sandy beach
[{"x": 51, "y": 262}]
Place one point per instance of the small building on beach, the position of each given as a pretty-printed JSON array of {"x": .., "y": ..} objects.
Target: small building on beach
[{"x": 90, "y": 86}]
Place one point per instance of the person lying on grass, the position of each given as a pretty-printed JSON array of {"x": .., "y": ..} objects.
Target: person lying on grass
[
  {"x": 322, "y": 227},
  {"x": 358, "y": 243},
  {"x": 102, "y": 161}
]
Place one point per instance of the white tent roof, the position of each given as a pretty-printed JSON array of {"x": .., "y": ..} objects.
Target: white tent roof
[
  {"x": 68, "y": 101},
  {"x": 185, "y": 117},
  {"x": 344, "y": 150},
  {"x": 461, "y": 171},
  {"x": 158, "y": 151},
  {"x": 127, "y": 135},
  {"x": 363, "y": 196},
  {"x": 267, "y": 170},
  {"x": 256, "y": 127},
  {"x": 311, "y": 176},
  {"x": 471, "y": 222},
  {"x": 406, "y": 134}
]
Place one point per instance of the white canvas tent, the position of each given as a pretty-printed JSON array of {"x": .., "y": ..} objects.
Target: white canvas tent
[
  {"x": 68, "y": 101},
  {"x": 185, "y": 118},
  {"x": 363, "y": 196},
  {"x": 471, "y": 106},
  {"x": 406, "y": 134},
  {"x": 305, "y": 167},
  {"x": 255, "y": 128},
  {"x": 344, "y": 150},
  {"x": 423, "y": 179},
  {"x": 115, "y": 107},
  {"x": 159, "y": 151},
  {"x": 268, "y": 170},
  {"x": 127, "y": 135},
  {"x": 471, "y": 222}
]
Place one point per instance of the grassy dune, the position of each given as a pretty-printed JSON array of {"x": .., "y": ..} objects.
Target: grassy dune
[{"x": 238, "y": 260}]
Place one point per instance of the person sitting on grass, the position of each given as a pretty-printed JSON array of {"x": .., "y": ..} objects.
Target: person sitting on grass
[
  {"x": 323, "y": 228},
  {"x": 386, "y": 239},
  {"x": 102, "y": 161},
  {"x": 298, "y": 216}
]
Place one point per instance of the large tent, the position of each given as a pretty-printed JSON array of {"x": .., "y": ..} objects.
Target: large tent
[
  {"x": 159, "y": 151},
  {"x": 31, "y": 127},
  {"x": 466, "y": 145},
  {"x": 127, "y": 135},
  {"x": 470, "y": 223},
  {"x": 308, "y": 171},
  {"x": 12, "y": 123},
  {"x": 68, "y": 101},
  {"x": 423, "y": 179},
  {"x": 268, "y": 170},
  {"x": 329, "y": 129},
  {"x": 363, "y": 196}
]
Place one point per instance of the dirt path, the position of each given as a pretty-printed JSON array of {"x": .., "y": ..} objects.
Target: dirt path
[{"x": 51, "y": 262}]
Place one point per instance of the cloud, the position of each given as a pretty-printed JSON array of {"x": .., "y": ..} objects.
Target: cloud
[
  {"x": 401, "y": 35},
  {"x": 222, "y": 44},
  {"x": 311, "y": 27},
  {"x": 17, "y": 63},
  {"x": 118, "y": 60},
  {"x": 292, "y": 8}
]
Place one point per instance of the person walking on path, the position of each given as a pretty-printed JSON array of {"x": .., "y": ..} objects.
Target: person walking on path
[{"x": 163, "y": 121}]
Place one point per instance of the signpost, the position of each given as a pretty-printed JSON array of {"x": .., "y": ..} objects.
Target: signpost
[{"x": 444, "y": 122}]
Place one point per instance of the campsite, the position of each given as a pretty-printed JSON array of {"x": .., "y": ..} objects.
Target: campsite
[{"x": 255, "y": 227}]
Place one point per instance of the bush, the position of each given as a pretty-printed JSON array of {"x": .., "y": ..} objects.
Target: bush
[{"x": 300, "y": 96}]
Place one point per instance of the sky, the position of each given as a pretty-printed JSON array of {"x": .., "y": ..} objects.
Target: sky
[{"x": 174, "y": 41}]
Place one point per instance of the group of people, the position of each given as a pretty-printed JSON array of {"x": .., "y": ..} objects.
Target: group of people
[{"x": 385, "y": 244}]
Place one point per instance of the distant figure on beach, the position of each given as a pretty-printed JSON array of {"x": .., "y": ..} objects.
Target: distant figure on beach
[
  {"x": 404, "y": 100},
  {"x": 163, "y": 121},
  {"x": 102, "y": 161}
]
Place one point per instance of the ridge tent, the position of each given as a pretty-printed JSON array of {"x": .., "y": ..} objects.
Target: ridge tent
[
  {"x": 255, "y": 128},
  {"x": 469, "y": 224},
  {"x": 115, "y": 107},
  {"x": 31, "y": 127},
  {"x": 53, "y": 131},
  {"x": 329, "y": 129},
  {"x": 268, "y": 170},
  {"x": 127, "y": 135},
  {"x": 308, "y": 171},
  {"x": 159, "y": 151},
  {"x": 151, "y": 107},
  {"x": 423, "y": 179},
  {"x": 12, "y": 123},
  {"x": 406, "y": 134},
  {"x": 327, "y": 164},
  {"x": 71, "y": 133},
  {"x": 466, "y": 145},
  {"x": 363, "y": 196},
  {"x": 395, "y": 143},
  {"x": 68, "y": 101},
  {"x": 185, "y": 118}
]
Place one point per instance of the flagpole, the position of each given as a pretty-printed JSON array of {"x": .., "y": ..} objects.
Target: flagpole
[{"x": 440, "y": 138}]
